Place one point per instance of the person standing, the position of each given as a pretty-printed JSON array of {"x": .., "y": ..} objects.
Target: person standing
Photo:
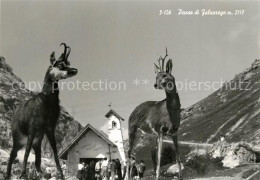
[
  {"x": 109, "y": 169},
  {"x": 64, "y": 168},
  {"x": 98, "y": 170},
  {"x": 92, "y": 170},
  {"x": 104, "y": 169},
  {"x": 118, "y": 169},
  {"x": 113, "y": 169},
  {"x": 133, "y": 168},
  {"x": 86, "y": 172},
  {"x": 134, "y": 173},
  {"x": 125, "y": 163},
  {"x": 141, "y": 169},
  {"x": 80, "y": 174}
]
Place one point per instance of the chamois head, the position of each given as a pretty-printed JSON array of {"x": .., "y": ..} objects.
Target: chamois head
[
  {"x": 164, "y": 79},
  {"x": 60, "y": 68}
]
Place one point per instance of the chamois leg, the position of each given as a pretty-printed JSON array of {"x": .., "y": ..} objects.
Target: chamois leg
[
  {"x": 175, "y": 141},
  {"x": 26, "y": 155},
  {"x": 127, "y": 176},
  {"x": 51, "y": 137},
  {"x": 37, "y": 151},
  {"x": 13, "y": 155},
  {"x": 160, "y": 141},
  {"x": 153, "y": 156}
]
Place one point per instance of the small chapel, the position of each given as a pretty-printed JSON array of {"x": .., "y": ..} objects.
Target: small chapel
[{"x": 91, "y": 144}]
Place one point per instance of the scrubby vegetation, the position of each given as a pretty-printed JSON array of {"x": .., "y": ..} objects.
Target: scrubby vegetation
[
  {"x": 168, "y": 155},
  {"x": 201, "y": 165}
]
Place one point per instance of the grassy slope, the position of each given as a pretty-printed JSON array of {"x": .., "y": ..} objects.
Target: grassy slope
[
  {"x": 234, "y": 113},
  {"x": 213, "y": 116}
]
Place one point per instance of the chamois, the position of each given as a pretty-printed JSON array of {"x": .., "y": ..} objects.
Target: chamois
[
  {"x": 159, "y": 117},
  {"x": 38, "y": 116}
]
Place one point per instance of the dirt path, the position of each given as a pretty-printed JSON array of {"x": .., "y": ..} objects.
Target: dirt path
[
  {"x": 218, "y": 178},
  {"x": 191, "y": 143}
]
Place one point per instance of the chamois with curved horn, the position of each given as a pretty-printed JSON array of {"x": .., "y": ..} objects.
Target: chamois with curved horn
[
  {"x": 159, "y": 117},
  {"x": 39, "y": 115}
]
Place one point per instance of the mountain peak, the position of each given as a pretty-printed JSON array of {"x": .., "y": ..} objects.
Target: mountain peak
[
  {"x": 256, "y": 63},
  {"x": 4, "y": 65}
]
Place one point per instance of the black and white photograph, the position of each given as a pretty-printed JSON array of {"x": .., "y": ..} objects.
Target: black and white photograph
[{"x": 129, "y": 90}]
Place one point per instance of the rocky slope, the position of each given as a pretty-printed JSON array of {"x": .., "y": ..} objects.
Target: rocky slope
[
  {"x": 11, "y": 95},
  {"x": 232, "y": 111}
]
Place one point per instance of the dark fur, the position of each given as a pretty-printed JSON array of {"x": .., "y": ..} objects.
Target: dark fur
[
  {"x": 161, "y": 117},
  {"x": 38, "y": 117},
  {"x": 155, "y": 113}
]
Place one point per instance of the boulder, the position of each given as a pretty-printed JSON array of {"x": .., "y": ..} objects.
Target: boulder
[
  {"x": 174, "y": 169},
  {"x": 233, "y": 154},
  {"x": 237, "y": 155}
]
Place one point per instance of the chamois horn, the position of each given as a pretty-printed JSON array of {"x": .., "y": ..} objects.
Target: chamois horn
[
  {"x": 64, "y": 54},
  {"x": 69, "y": 49}
]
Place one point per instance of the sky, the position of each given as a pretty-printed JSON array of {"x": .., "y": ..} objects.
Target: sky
[{"x": 118, "y": 42}]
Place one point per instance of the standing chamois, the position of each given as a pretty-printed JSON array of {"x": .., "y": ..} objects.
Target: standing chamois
[
  {"x": 39, "y": 115},
  {"x": 159, "y": 117}
]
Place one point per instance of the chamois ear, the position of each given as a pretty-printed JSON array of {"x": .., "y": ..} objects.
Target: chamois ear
[
  {"x": 156, "y": 69},
  {"x": 169, "y": 66},
  {"x": 52, "y": 58}
]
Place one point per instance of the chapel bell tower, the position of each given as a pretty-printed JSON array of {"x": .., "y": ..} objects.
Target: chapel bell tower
[{"x": 115, "y": 131}]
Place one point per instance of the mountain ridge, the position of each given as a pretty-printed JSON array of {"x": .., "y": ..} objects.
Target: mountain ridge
[{"x": 229, "y": 110}]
